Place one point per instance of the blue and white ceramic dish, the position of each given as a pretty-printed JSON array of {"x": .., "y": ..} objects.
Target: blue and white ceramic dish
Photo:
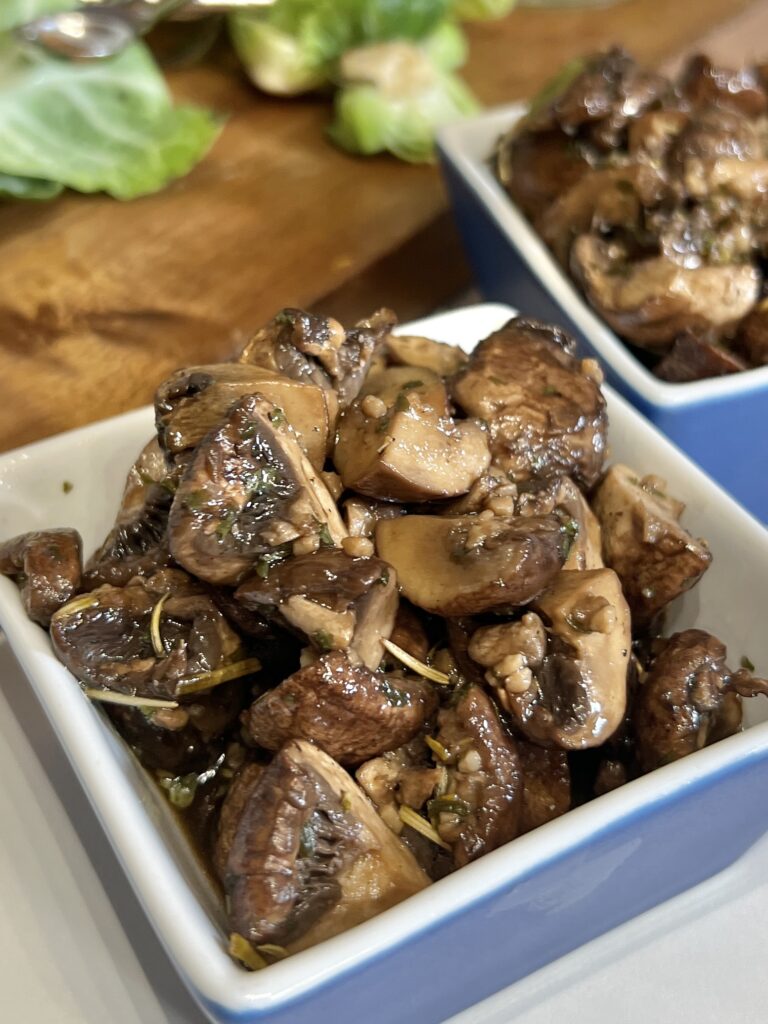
[
  {"x": 495, "y": 920},
  {"x": 721, "y": 423}
]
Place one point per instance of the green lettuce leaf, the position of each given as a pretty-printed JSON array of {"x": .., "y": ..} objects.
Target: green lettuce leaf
[
  {"x": 13, "y": 186},
  {"x": 102, "y": 126}
]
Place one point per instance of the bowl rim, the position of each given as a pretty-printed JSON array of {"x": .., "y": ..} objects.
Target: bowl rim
[
  {"x": 457, "y": 144},
  {"x": 192, "y": 940}
]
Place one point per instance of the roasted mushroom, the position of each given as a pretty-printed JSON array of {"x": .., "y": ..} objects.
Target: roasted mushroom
[
  {"x": 349, "y": 711},
  {"x": 688, "y": 699},
  {"x": 424, "y": 353},
  {"x": 704, "y": 84},
  {"x": 654, "y": 300},
  {"x": 137, "y": 545},
  {"x": 47, "y": 566},
  {"x": 338, "y": 602},
  {"x": 752, "y": 338},
  {"x": 695, "y": 358},
  {"x": 248, "y": 495},
  {"x": 545, "y": 414},
  {"x": 561, "y": 671},
  {"x": 399, "y": 442},
  {"x": 147, "y": 639},
  {"x": 546, "y": 785},
  {"x": 317, "y": 350},
  {"x": 481, "y": 808},
  {"x": 404, "y": 777},
  {"x": 309, "y": 856},
  {"x": 193, "y": 401},
  {"x": 476, "y": 563},
  {"x": 643, "y": 541}
]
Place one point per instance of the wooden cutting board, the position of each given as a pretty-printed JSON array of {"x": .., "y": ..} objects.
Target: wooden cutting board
[{"x": 100, "y": 300}]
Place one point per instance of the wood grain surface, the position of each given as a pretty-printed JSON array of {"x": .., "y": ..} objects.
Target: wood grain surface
[{"x": 100, "y": 300}]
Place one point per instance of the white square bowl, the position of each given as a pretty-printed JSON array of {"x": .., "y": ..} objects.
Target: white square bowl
[
  {"x": 721, "y": 422},
  {"x": 495, "y": 920}
]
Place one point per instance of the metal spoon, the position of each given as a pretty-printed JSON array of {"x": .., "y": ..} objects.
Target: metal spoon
[{"x": 100, "y": 30}]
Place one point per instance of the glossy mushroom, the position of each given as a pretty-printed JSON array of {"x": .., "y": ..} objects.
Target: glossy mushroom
[{"x": 47, "y": 566}]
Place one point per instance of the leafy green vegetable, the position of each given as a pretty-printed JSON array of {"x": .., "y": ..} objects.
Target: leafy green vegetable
[
  {"x": 481, "y": 10},
  {"x": 447, "y": 46},
  {"x": 104, "y": 126},
  {"x": 292, "y": 46},
  {"x": 395, "y": 101},
  {"x": 14, "y": 186}
]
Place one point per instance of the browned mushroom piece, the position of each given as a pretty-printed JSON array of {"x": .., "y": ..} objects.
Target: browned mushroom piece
[
  {"x": 688, "y": 699},
  {"x": 105, "y": 638},
  {"x": 338, "y": 602},
  {"x": 248, "y": 496},
  {"x": 643, "y": 541},
  {"x": 482, "y": 804},
  {"x": 398, "y": 442},
  {"x": 704, "y": 84},
  {"x": 546, "y": 785},
  {"x": 137, "y": 545},
  {"x": 537, "y": 166},
  {"x": 309, "y": 857},
  {"x": 752, "y": 337},
  {"x": 476, "y": 563},
  {"x": 352, "y": 713},
  {"x": 715, "y": 133},
  {"x": 361, "y": 514},
  {"x": 545, "y": 413},
  {"x": 651, "y": 135},
  {"x": 47, "y": 566},
  {"x": 423, "y": 353},
  {"x": 238, "y": 795},
  {"x": 611, "y": 198},
  {"x": 318, "y": 350},
  {"x": 652, "y": 301},
  {"x": 561, "y": 670},
  {"x": 694, "y": 358},
  {"x": 409, "y": 633},
  {"x": 193, "y": 401}
]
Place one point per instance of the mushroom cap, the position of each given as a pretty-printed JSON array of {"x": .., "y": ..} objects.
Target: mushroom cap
[
  {"x": 352, "y": 713},
  {"x": 475, "y": 564},
  {"x": 654, "y": 300},
  {"x": 48, "y": 566},
  {"x": 248, "y": 491},
  {"x": 545, "y": 414},
  {"x": 309, "y": 856}
]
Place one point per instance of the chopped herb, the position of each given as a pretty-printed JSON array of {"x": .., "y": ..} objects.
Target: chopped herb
[
  {"x": 397, "y": 698},
  {"x": 67, "y": 486},
  {"x": 384, "y": 578},
  {"x": 277, "y": 417},
  {"x": 401, "y": 403},
  {"x": 441, "y": 752},
  {"x": 549, "y": 390},
  {"x": 496, "y": 380},
  {"x": 289, "y": 699},
  {"x": 747, "y": 664},
  {"x": 346, "y": 802},
  {"x": 224, "y": 527},
  {"x": 249, "y": 432},
  {"x": 411, "y": 384},
  {"x": 268, "y": 559},
  {"x": 322, "y": 639},
  {"x": 415, "y": 821},
  {"x": 383, "y": 425},
  {"x": 196, "y": 500},
  {"x": 285, "y": 319},
  {"x": 325, "y": 536},
  {"x": 307, "y": 840},
  {"x": 447, "y": 805},
  {"x": 264, "y": 480}
]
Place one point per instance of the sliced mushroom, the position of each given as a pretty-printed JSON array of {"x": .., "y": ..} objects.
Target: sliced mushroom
[
  {"x": 481, "y": 808},
  {"x": 247, "y": 495},
  {"x": 611, "y": 198},
  {"x": 652, "y": 301},
  {"x": 137, "y": 545},
  {"x": 317, "y": 350},
  {"x": 409, "y": 634},
  {"x": 310, "y": 857},
  {"x": 703, "y": 84},
  {"x": 694, "y": 358},
  {"x": 651, "y": 135},
  {"x": 399, "y": 778},
  {"x": 545, "y": 413},
  {"x": 688, "y": 699},
  {"x": 643, "y": 541},
  {"x": 424, "y": 353},
  {"x": 546, "y": 785},
  {"x": 194, "y": 400},
  {"x": 561, "y": 671},
  {"x": 105, "y": 638},
  {"x": 537, "y": 166},
  {"x": 238, "y": 795},
  {"x": 349, "y": 711},
  {"x": 400, "y": 444},
  {"x": 361, "y": 514},
  {"x": 47, "y": 566},
  {"x": 338, "y": 602},
  {"x": 475, "y": 564}
]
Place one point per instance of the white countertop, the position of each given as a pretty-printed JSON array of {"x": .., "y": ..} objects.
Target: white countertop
[{"x": 75, "y": 947}]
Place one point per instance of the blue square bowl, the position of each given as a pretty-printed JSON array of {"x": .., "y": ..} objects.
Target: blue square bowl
[
  {"x": 721, "y": 423},
  {"x": 495, "y": 920}
]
